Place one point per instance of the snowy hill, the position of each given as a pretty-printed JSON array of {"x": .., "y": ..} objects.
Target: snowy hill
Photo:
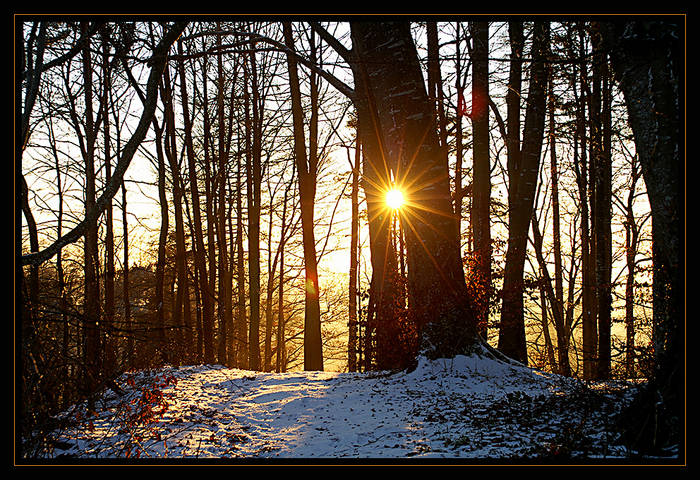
[{"x": 470, "y": 408}]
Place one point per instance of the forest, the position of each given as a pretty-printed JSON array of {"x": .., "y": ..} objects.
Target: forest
[{"x": 360, "y": 196}]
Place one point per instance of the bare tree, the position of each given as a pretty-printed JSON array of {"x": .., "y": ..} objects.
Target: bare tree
[
  {"x": 523, "y": 165},
  {"x": 306, "y": 172}
]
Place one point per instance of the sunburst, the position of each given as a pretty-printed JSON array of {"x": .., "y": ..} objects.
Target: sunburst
[{"x": 394, "y": 198}]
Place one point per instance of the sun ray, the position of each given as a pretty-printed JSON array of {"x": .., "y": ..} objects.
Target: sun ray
[{"x": 394, "y": 198}]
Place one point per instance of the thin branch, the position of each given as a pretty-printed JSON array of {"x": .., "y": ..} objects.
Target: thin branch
[{"x": 158, "y": 63}]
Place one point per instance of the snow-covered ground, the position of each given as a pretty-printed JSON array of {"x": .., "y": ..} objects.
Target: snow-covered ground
[{"x": 472, "y": 407}]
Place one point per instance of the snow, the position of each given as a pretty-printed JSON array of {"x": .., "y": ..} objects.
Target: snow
[{"x": 469, "y": 407}]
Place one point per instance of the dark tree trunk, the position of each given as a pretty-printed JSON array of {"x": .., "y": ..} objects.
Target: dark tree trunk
[
  {"x": 28, "y": 323},
  {"x": 631, "y": 244},
  {"x": 481, "y": 186},
  {"x": 182, "y": 319},
  {"x": 648, "y": 59},
  {"x": 306, "y": 171},
  {"x": 205, "y": 294},
  {"x": 241, "y": 336},
  {"x": 159, "y": 300},
  {"x": 509, "y": 340},
  {"x": 208, "y": 323},
  {"x": 376, "y": 180},
  {"x": 522, "y": 175},
  {"x": 109, "y": 330},
  {"x": 126, "y": 284},
  {"x": 557, "y": 300},
  {"x": 354, "y": 247},
  {"x": 581, "y": 168},
  {"x": 603, "y": 205},
  {"x": 92, "y": 289},
  {"x": 387, "y": 68},
  {"x": 458, "y": 195},
  {"x": 225, "y": 313},
  {"x": 253, "y": 179},
  {"x": 280, "y": 357}
]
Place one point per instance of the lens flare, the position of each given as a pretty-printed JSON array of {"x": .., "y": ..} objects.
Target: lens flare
[{"x": 394, "y": 199}]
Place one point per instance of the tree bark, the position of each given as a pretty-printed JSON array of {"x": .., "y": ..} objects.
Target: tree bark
[
  {"x": 281, "y": 348},
  {"x": 241, "y": 336},
  {"x": 403, "y": 126},
  {"x": 225, "y": 314},
  {"x": 603, "y": 205},
  {"x": 306, "y": 171},
  {"x": 126, "y": 285},
  {"x": 581, "y": 169},
  {"x": 459, "y": 144},
  {"x": 109, "y": 317},
  {"x": 631, "y": 244},
  {"x": 159, "y": 300},
  {"x": 198, "y": 241},
  {"x": 647, "y": 59},
  {"x": 91, "y": 311},
  {"x": 557, "y": 300},
  {"x": 481, "y": 186},
  {"x": 522, "y": 174},
  {"x": 182, "y": 319},
  {"x": 253, "y": 180},
  {"x": 208, "y": 323},
  {"x": 354, "y": 247}
]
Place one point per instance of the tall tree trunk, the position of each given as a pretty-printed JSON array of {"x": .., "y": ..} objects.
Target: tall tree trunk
[
  {"x": 388, "y": 68},
  {"x": 241, "y": 337},
  {"x": 269, "y": 292},
  {"x": 253, "y": 179},
  {"x": 206, "y": 296},
  {"x": 29, "y": 322},
  {"x": 558, "y": 300},
  {"x": 126, "y": 285},
  {"x": 92, "y": 290},
  {"x": 281, "y": 348},
  {"x": 231, "y": 352},
  {"x": 208, "y": 323},
  {"x": 181, "y": 319},
  {"x": 306, "y": 174},
  {"x": 513, "y": 344},
  {"x": 581, "y": 168},
  {"x": 354, "y": 246},
  {"x": 522, "y": 174},
  {"x": 631, "y": 242},
  {"x": 481, "y": 186},
  {"x": 159, "y": 300},
  {"x": 109, "y": 336},
  {"x": 32, "y": 89},
  {"x": 225, "y": 315},
  {"x": 603, "y": 207},
  {"x": 380, "y": 172},
  {"x": 648, "y": 62},
  {"x": 65, "y": 327},
  {"x": 435, "y": 81},
  {"x": 458, "y": 194}
]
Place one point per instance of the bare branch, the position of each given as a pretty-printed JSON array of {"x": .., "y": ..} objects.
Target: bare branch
[
  {"x": 347, "y": 55},
  {"x": 158, "y": 64}
]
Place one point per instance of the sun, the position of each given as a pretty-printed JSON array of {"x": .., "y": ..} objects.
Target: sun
[{"x": 394, "y": 199}]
